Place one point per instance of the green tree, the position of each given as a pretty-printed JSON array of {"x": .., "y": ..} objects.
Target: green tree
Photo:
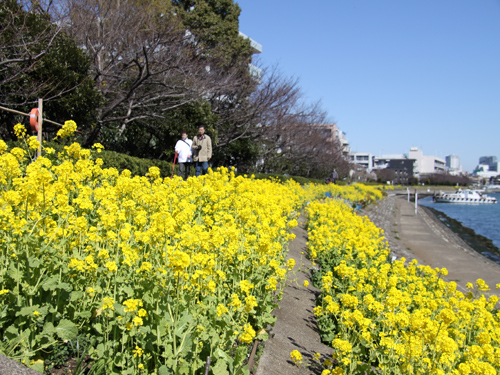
[{"x": 216, "y": 27}]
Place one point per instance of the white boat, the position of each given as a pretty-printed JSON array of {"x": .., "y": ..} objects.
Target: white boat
[{"x": 465, "y": 196}]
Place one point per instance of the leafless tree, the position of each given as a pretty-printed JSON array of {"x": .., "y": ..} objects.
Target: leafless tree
[
  {"x": 26, "y": 37},
  {"x": 288, "y": 131},
  {"x": 145, "y": 62}
]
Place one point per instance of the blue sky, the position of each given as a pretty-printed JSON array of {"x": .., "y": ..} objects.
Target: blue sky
[{"x": 393, "y": 74}]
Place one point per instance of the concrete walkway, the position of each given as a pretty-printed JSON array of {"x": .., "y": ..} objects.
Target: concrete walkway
[
  {"x": 10, "y": 367},
  {"x": 418, "y": 236}
]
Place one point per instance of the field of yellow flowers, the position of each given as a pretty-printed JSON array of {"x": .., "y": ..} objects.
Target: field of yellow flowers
[
  {"x": 385, "y": 317},
  {"x": 157, "y": 274},
  {"x": 151, "y": 275}
]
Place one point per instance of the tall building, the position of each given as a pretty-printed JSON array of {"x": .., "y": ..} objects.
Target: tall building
[
  {"x": 490, "y": 161},
  {"x": 453, "y": 164},
  {"x": 332, "y": 134},
  {"x": 399, "y": 164}
]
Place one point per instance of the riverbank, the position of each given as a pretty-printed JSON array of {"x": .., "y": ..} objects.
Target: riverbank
[
  {"x": 425, "y": 237},
  {"x": 479, "y": 243}
]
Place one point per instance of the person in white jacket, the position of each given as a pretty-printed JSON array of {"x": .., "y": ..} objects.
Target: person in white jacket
[{"x": 183, "y": 150}]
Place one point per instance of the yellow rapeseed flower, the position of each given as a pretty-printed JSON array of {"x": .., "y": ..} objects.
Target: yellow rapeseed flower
[{"x": 296, "y": 357}]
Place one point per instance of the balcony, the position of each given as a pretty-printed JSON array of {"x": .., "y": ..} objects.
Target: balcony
[{"x": 256, "y": 47}]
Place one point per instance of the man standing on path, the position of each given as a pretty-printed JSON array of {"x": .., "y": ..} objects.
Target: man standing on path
[
  {"x": 183, "y": 149},
  {"x": 202, "y": 151}
]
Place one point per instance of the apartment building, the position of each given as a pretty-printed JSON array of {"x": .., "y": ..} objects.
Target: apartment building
[
  {"x": 426, "y": 164},
  {"x": 364, "y": 159},
  {"x": 333, "y": 135}
]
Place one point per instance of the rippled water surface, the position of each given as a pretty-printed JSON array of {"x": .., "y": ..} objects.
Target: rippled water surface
[{"x": 484, "y": 219}]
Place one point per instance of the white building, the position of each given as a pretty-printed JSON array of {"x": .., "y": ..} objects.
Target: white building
[
  {"x": 256, "y": 48},
  {"x": 482, "y": 170},
  {"x": 426, "y": 164},
  {"x": 364, "y": 159},
  {"x": 332, "y": 134},
  {"x": 344, "y": 142}
]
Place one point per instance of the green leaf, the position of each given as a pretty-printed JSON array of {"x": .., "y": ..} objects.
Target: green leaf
[
  {"x": 34, "y": 262},
  {"x": 168, "y": 351},
  {"x": 184, "y": 368},
  {"x": 268, "y": 318},
  {"x": 128, "y": 290},
  {"x": 162, "y": 328},
  {"x": 163, "y": 370},
  {"x": 263, "y": 336},
  {"x": 243, "y": 371},
  {"x": 187, "y": 344},
  {"x": 66, "y": 330},
  {"x": 220, "y": 368},
  {"x": 183, "y": 324},
  {"x": 76, "y": 295},
  {"x": 363, "y": 369},
  {"x": 148, "y": 298},
  {"x": 100, "y": 350},
  {"x": 27, "y": 311},
  {"x": 171, "y": 362},
  {"x": 118, "y": 359},
  {"x": 98, "y": 328},
  {"x": 240, "y": 356},
  {"x": 38, "y": 366},
  {"x": 221, "y": 354},
  {"x": 51, "y": 283},
  {"x": 15, "y": 274},
  {"x": 83, "y": 314},
  {"x": 49, "y": 329},
  {"x": 65, "y": 286},
  {"x": 11, "y": 332}
]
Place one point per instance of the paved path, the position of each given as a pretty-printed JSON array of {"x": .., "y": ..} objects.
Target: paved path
[{"x": 296, "y": 327}]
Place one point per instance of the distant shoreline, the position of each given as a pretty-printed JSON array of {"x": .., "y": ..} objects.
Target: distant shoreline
[{"x": 477, "y": 242}]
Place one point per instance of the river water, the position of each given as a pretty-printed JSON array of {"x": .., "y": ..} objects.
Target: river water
[{"x": 483, "y": 218}]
